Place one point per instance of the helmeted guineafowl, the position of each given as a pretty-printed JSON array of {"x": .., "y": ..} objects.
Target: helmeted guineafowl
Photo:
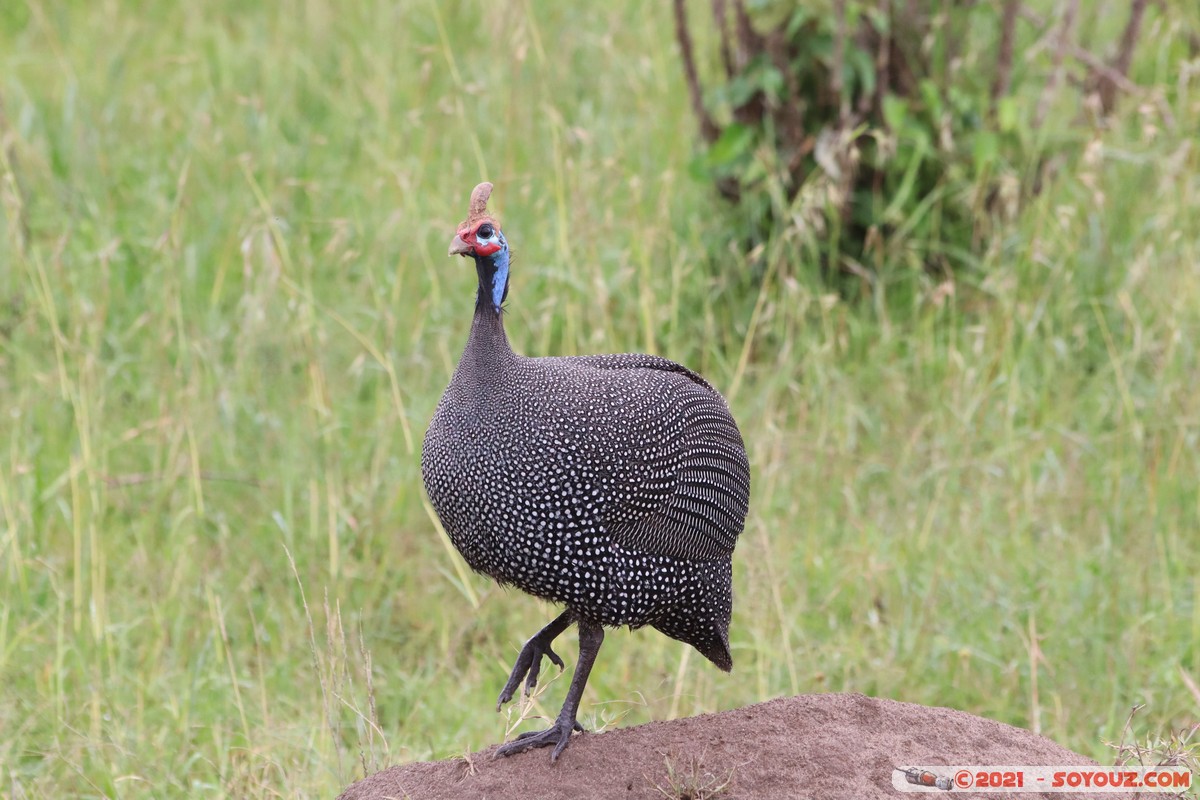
[{"x": 615, "y": 485}]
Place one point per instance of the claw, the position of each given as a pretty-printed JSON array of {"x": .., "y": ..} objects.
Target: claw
[
  {"x": 558, "y": 735},
  {"x": 591, "y": 636},
  {"x": 528, "y": 734},
  {"x": 529, "y": 667}
]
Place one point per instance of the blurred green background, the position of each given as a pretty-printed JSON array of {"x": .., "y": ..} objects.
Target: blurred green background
[{"x": 226, "y": 316}]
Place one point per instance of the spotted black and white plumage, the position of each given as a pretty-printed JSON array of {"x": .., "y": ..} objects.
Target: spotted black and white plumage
[{"x": 615, "y": 485}]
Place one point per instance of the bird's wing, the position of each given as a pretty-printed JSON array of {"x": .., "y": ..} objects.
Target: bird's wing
[{"x": 682, "y": 488}]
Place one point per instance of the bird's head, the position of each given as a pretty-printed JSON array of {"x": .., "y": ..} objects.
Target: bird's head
[{"x": 479, "y": 236}]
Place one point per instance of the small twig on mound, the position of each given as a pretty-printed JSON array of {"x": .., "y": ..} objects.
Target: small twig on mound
[
  {"x": 1176, "y": 750},
  {"x": 693, "y": 781}
]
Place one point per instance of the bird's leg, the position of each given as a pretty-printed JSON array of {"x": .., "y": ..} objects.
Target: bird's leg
[
  {"x": 529, "y": 662},
  {"x": 591, "y": 636}
]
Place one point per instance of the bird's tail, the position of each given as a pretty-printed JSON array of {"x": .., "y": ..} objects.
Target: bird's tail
[
  {"x": 702, "y": 620},
  {"x": 710, "y": 637},
  {"x": 716, "y": 649}
]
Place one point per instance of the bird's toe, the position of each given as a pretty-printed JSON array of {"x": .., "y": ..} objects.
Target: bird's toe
[{"x": 558, "y": 736}]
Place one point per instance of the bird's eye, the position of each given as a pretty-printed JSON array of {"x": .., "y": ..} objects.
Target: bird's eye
[{"x": 485, "y": 231}]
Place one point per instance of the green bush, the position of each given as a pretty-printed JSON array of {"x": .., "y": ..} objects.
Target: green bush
[{"x": 892, "y": 135}]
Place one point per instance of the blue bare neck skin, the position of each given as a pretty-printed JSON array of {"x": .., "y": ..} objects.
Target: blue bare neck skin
[
  {"x": 493, "y": 280},
  {"x": 487, "y": 347}
]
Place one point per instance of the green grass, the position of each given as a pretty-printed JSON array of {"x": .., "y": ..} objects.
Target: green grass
[{"x": 226, "y": 316}]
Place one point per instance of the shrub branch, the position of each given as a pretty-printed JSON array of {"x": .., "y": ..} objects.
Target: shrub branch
[{"x": 708, "y": 128}]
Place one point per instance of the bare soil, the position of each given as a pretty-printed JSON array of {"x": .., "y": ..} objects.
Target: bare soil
[{"x": 811, "y": 746}]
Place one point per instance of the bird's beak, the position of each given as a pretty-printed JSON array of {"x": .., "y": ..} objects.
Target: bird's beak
[{"x": 460, "y": 248}]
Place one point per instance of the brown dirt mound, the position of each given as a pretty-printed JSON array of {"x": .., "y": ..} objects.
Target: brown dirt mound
[{"x": 811, "y": 746}]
